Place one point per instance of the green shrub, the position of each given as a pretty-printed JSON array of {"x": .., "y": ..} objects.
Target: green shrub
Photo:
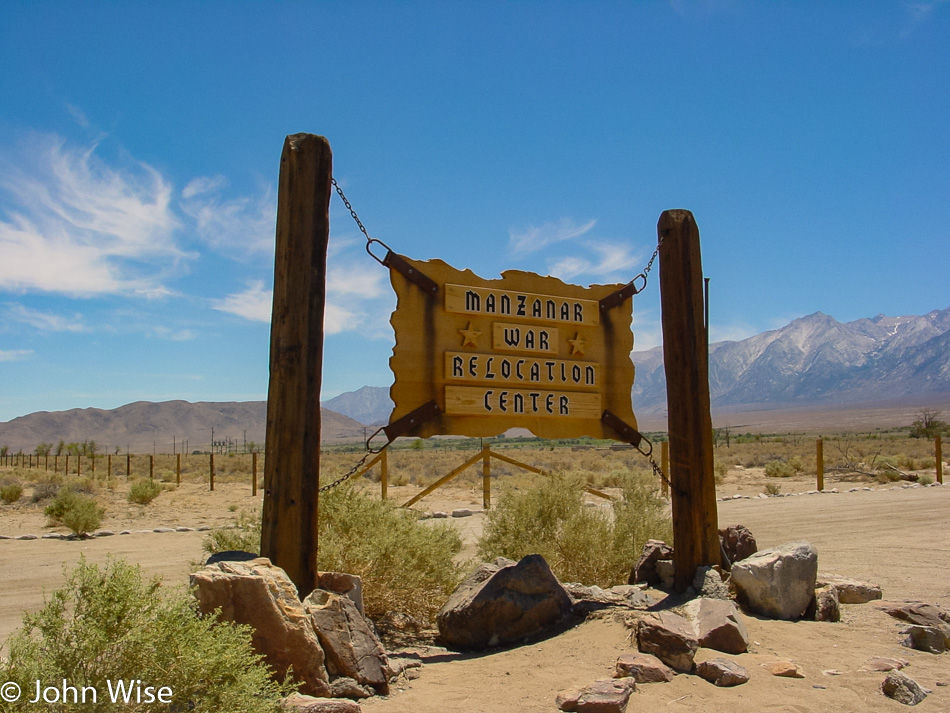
[
  {"x": 581, "y": 544},
  {"x": 773, "y": 488},
  {"x": 45, "y": 489},
  {"x": 926, "y": 479},
  {"x": 10, "y": 492},
  {"x": 778, "y": 469},
  {"x": 143, "y": 491},
  {"x": 110, "y": 625},
  {"x": 80, "y": 513},
  {"x": 406, "y": 565}
]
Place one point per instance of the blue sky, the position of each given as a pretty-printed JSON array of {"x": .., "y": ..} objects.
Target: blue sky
[{"x": 140, "y": 146}]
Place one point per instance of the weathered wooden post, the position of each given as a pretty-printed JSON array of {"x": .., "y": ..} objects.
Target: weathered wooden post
[
  {"x": 665, "y": 467},
  {"x": 820, "y": 463},
  {"x": 178, "y": 469},
  {"x": 486, "y": 476},
  {"x": 292, "y": 466},
  {"x": 938, "y": 446},
  {"x": 128, "y": 465},
  {"x": 151, "y": 467},
  {"x": 695, "y": 518},
  {"x": 211, "y": 471},
  {"x": 109, "y": 466}
]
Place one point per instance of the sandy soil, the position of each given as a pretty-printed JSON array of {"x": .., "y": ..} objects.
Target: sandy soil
[{"x": 895, "y": 537}]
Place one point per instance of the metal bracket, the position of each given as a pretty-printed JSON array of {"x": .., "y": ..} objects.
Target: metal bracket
[
  {"x": 402, "y": 426},
  {"x": 397, "y": 262},
  {"x": 624, "y": 293},
  {"x": 629, "y": 433}
]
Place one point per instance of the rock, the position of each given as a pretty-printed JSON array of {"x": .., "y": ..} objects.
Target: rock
[
  {"x": 103, "y": 533},
  {"x": 503, "y": 603},
  {"x": 718, "y": 625},
  {"x": 722, "y": 672},
  {"x": 736, "y": 543},
  {"x": 643, "y": 668},
  {"x": 588, "y": 599},
  {"x": 784, "y": 669},
  {"x": 708, "y": 583},
  {"x": 349, "y": 584},
  {"x": 352, "y": 649},
  {"x": 645, "y": 568},
  {"x": 666, "y": 571},
  {"x": 850, "y": 591},
  {"x": 308, "y": 704},
  {"x": 27, "y": 537},
  {"x": 182, "y": 528},
  {"x": 606, "y": 696},
  {"x": 780, "y": 582},
  {"x": 231, "y": 556},
  {"x": 922, "y": 615},
  {"x": 880, "y": 663},
  {"x": 826, "y": 604},
  {"x": 437, "y": 515},
  {"x": 163, "y": 529},
  {"x": 262, "y": 596},
  {"x": 462, "y": 512},
  {"x": 669, "y": 637},
  {"x": 344, "y": 687},
  {"x": 924, "y": 638},
  {"x": 903, "y": 689}
]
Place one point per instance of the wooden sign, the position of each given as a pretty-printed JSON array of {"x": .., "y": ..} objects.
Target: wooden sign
[{"x": 521, "y": 351}]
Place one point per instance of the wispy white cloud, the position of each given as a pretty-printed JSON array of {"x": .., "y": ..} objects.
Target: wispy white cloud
[
  {"x": 73, "y": 224},
  {"x": 243, "y": 225},
  {"x": 534, "y": 238},
  {"x": 609, "y": 262},
  {"x": 254, "y": 303},
  {"x": 917, "y": 14},
  {"x": 45, "y": 321},
  {"x": 174, "y": 335},
  {"x": 15, "y": 354}
]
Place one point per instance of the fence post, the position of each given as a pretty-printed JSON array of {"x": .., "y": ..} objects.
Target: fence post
[
  {"x": 254, "y": 474},
  {"x": 486, "y": 476},
  {"x": 665, "y": 467},
  {"x": 939, "y": 448},
  {"x": 384, "y": 473},
  {"x": 151, "y": 466},
  {"x": 128, "y": 465},
  {"x": 178, "y": 469},
  {"x": 66, "y": 468},
  {"x": 211, "y": 464},
  {"x": 108, "y": 466},
  {"x": 820, "y": 462},
  {"x": 93, "y": 459}
]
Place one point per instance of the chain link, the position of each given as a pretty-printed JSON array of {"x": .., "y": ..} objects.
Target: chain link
[
  {"x": 346, "y": 476},
  {"x": 349, "y": 207}
]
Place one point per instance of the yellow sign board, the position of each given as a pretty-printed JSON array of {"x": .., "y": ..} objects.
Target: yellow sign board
[{"x": 521, "y": 351}]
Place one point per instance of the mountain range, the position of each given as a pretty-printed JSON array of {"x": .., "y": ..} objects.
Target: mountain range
[{"x": 812, "y": 361}]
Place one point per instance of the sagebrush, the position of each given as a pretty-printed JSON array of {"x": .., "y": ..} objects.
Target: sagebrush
[
  {"x": 109, "y": 624},
  {"x": 591, "y": 545}
]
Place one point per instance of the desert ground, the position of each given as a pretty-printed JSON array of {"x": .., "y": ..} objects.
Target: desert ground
[{"x": 893, "y": 535}]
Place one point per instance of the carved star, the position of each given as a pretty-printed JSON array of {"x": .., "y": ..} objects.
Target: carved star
[
  {"x": 578, "y": 345},
  {"x": 470, "y": 336}
]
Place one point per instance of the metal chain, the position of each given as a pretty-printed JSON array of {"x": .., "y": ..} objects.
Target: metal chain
[
  {"x": 346, "y": 476},
  {"x": 646, "y": 270},
  {"x": 359, "y": 223}
]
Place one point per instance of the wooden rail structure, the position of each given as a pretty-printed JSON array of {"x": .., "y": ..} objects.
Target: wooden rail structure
[{"x": 485, "y": 454}]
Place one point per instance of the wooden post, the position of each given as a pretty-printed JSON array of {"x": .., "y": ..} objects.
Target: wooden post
[
  {"x": 128, "y": 465},
  {"x": 151, "y": 467},
  {"x": 695, "y": 518},
  {"x": 211, "y": 471},
  {"x": 486, "y": 476},
  {"x": 292, "y": 467},
  {"x": 820, "y": 463},
  {"x": 66, "y": 468},
  {"x": 938, "y": 446},
  {"x": 109, "y": 466},
  {"x": 254, "y": 474},
  {"x": 178, "y": 469},
  {"x": 384, "y": 473},
  {"x": 665, "y": 467},
  {"x": 55, "y": 464},
  {"x": 78, "y": 465}
]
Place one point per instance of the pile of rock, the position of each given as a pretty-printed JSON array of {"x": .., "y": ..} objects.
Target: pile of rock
[{"x": 331, "y": 647}]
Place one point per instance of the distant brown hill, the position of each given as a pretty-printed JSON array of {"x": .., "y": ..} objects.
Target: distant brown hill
[{"x": 146, "y": 427}]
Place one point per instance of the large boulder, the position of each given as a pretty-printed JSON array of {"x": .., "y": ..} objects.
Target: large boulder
[
  {"x": 261, "y": 595},
  {"x": 736, "y": 542},
  {"x": 779, "y": 582},
  {"x": 923, "y": 615},
  {"x": 669, "y": 637},
  {"x": 718, "y": 625},
  {"x": 352, "y": 649},
  {"x": 645, "y": 568},
  {"x": 503, "y": 603},
  {"x": 903, "y": 689}
]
